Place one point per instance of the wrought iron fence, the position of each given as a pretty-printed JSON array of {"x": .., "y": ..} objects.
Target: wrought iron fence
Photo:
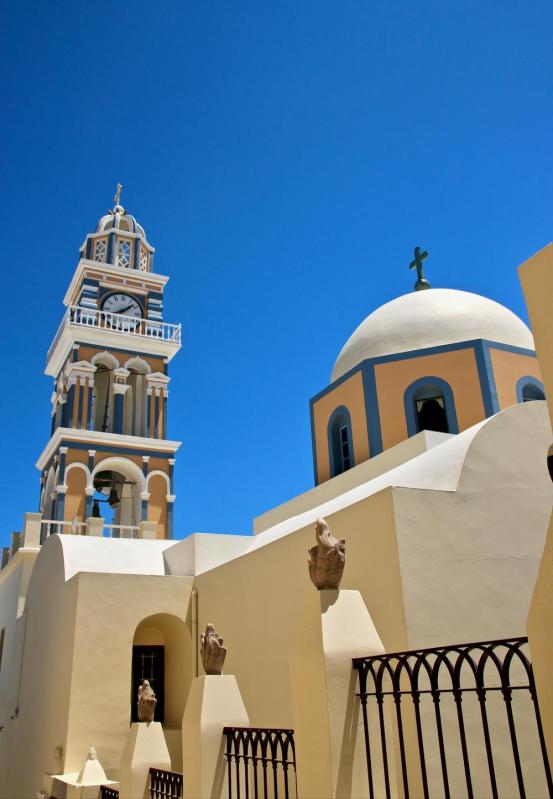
[
  {"x": 108, "y": 793},
  {"x": 463, "y": 719},
  {"x": 165, "y": 784},
  {"x": 261, "y": 763}
]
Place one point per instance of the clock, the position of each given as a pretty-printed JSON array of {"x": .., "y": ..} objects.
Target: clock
[{"x": 122, "y": 304}]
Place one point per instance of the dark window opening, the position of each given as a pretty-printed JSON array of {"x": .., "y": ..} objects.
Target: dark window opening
[
  {"x": 148, "y": 663},
  {"x": 532, "y": 392},
  {"x": 431, "y": 414},
  {"x": 340, "y": 443},
  {"x": 345, "y": 448}
]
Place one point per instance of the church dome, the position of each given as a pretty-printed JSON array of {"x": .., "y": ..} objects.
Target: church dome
[
  {"x": 119, "y": 219},
  {"x": 431, "y": 318}
]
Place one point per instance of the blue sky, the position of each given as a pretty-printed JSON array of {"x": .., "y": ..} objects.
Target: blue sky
[{"x": 284, "y": 158}]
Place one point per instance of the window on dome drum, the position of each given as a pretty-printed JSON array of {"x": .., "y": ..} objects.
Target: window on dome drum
[
  {"x": 124, "y": 253},
  {"x": 431, "y": 414},
  {"x": 532, "y": 392},
  {"x": 100, "y": 249},
  {"x": 148, "y": 663},
  {"x": 340, "y": 442}
]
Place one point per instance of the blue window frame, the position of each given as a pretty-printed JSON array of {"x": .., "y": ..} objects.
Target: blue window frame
[
  {"x": 340, "y": 441},
  {"x": 529, "y": 388},
  {"x": 429, "y": 405}
]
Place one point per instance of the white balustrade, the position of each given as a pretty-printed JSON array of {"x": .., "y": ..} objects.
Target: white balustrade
[
  {"x": 117, "y": 323},
  {"x": 52, "y": 526}
]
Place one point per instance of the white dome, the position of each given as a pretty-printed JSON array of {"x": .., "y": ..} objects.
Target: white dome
[{"x": 431, "y": 318}]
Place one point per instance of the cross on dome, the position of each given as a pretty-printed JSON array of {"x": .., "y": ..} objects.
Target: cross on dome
[{"x": 422, "y": 283}]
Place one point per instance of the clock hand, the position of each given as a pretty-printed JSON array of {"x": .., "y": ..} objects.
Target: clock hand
[{"x": 122, "y": 310}]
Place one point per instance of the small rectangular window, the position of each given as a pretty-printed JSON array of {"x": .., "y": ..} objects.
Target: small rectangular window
[{"x": 2, "y": 634}]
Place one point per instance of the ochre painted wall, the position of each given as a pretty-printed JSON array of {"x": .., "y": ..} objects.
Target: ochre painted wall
[
  {"x": 157, "y": 506},
  {"x": 75, "y": 497},
  {"x": 350, "y": 394},
  {"x": 508, "y": 368},
  {"x": 458, "y": 368},
  {"x": 87, "y": 353}
]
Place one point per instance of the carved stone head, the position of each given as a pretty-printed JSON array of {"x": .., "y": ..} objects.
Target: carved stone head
[
  {"x": 327, "y": 558},
  {"x": 212, "y": 651},
  {"x": 146, "y": 702}
]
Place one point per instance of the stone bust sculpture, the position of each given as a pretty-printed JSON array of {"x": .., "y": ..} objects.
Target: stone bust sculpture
[
  {"x": 212, "y": 651},
  {"x": 327, "y": 558},
  {"x": 146, "y": 702}
]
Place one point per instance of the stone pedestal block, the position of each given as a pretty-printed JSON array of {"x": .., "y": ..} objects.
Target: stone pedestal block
[
  {"x": 145, "y": 747},
  {"x": 214, "y": 702},
  {"x": 333, "y": 627}
]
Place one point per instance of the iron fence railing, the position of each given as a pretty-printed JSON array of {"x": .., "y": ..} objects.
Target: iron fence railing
[
  {"x": 108, "y": 793},
  {"x": 261, "y": 763},
  {"x": 463, "y": 719},
  {"x": 165, "y": 784}
]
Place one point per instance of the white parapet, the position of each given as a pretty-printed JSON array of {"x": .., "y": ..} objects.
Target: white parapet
[
  {"x": 214, "y": 702},
  {"x": 146, "y": 748},
  {"x": 333, "y": 627}
]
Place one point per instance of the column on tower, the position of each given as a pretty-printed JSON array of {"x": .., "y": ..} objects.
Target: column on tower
[
  {"x": 156, "y": 415},
  {"x": 119, "y": 390},
  {"x": 79, "y": 376}
]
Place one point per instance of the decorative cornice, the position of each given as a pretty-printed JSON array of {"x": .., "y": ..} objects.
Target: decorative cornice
[{"x": 112, "y": 440}]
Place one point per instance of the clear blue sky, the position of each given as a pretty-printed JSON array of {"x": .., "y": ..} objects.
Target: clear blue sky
[{"x": 284, "y": 158}]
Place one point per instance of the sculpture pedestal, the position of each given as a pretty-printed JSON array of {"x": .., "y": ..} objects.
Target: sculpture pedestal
[
  {"x": 214, "y": 702},
  {"x": 145, "y": 747},
  {"x": 333, "y": 627}
]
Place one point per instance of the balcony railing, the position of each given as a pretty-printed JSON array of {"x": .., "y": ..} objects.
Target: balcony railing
[{"x": 116, "y": 323}]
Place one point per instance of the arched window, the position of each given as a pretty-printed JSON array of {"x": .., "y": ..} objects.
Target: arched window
[
  {"x": 102, "y": 398},
  {"x": 136, "y": 397},
  {"x": 340, "y": 442},
  {"x": 429, "y": 405},
  {"x": 529, "y": 388}
]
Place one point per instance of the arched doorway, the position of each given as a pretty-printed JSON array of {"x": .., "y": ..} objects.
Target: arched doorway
[{"x": 162, "y": 654}]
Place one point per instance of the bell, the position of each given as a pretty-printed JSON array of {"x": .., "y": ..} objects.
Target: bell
[
  {"x": 113, "y": 499},
  {"x": 96, "y": 510}
]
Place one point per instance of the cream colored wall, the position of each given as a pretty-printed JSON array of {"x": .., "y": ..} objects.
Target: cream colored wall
[
  {"x": 457, "y": 367},
  {"x": 536, "y": 276},
  {"x": 252, "y": 601},
  {"x": 508, "y": 368},
  {"x": 14, "y": 579},
  {"x": 77, "y": 667},
  {"x": 349, "y": 393},
  {"x": 390, "y": 458}
]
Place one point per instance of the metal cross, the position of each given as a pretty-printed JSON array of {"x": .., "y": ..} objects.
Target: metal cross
[
  {"x": 117, "y": 198},
  {"x": 422, "y": 282}
]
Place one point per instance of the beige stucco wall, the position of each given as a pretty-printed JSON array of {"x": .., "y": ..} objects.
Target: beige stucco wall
[
  {"x": 536, "y": 276},
  {"x": 253, "y": 600},
  {"x": 76, "y": 676}
]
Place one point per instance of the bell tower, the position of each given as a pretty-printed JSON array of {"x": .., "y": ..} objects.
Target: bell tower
[{"x": 109, "y": 453}]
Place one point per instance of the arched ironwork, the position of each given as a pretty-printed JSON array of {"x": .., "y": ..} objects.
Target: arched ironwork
[
  {"x": 261, "y": 763},
  {"x": 444, "y": 673},
  {"x": 165, "y": 784}
]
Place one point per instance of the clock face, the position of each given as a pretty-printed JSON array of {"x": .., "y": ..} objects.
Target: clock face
[{"x": 123, "y": 304}]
